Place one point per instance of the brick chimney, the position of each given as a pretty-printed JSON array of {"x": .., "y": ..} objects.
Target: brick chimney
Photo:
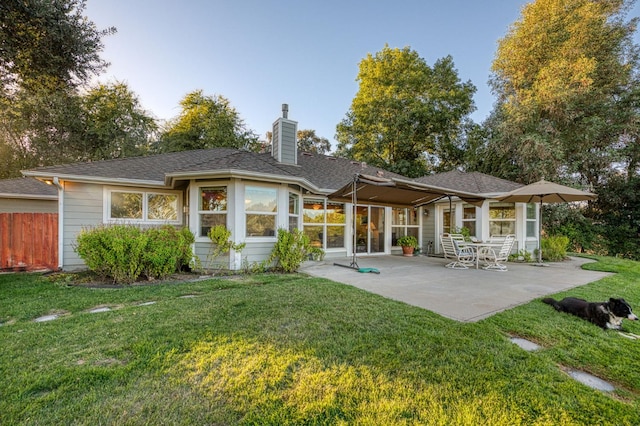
[{"x": 284, "y": 145}]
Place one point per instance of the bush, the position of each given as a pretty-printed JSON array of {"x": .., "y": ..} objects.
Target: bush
[
  {"x": 291, "y": 249},
  {"x": 554, "y": 248},
  {"x": 125, "y": 252}
]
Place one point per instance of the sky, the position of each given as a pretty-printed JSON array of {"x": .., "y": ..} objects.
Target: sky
[{"x": 260, "y": 54}]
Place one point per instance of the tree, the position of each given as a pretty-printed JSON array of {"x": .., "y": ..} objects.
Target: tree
[
  {"x": 309, "y": 142},
  {"x": 48, "y": 42},
  {"x": 564, "y": 76},
  {"x": 205, "y": 122},
  {"x": 406, "y": 116},
  {"x": 47, "y": 51},
  {"x": 116, "y": 125},
  {"x": 43, "y": 127}
]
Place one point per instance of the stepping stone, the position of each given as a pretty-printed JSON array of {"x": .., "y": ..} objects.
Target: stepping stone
[
  {"x": 146, "y": 303},
  {"x": 525, "y": 344},
  {"x": 47, "y": 318},
  {"x": 97, "y": 310},
  {"x": 188, "y": 296},
  {"x": 591, "y": 381}
]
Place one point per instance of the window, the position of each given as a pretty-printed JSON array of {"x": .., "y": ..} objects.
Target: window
[
  {"x": 143, "y": 207},
  {"x": 404, "y": 221},
  {"x": 469, "y": 219},
  {"x": 502, "y": 219},
  {"x": 212, "y": 208},
  {"x": 261, "y": 208},
  {"x": 294, "y": 211},
  {"x": 532, "y": 228},
  {"x": 324, "y": 223}
]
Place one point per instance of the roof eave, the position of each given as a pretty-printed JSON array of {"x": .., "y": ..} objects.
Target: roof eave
[
  {"x": 243, "y": 174},
  {"x": 28, "y": 196},
  {"x": 95, "y": 179}
]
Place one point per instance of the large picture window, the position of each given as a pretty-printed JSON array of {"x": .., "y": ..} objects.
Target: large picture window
[
  {"x": 261, "y": 208},
  {"x": 143, "y": 207},
  {"x": 212, "y": 208},
  {"x": 404, "y": 221},
  {"x": 502, "y": 219},
  {"x": 294, "y": 211},
  {"x": 324, "y": 223},
  {"x": 469, "y": 219}
]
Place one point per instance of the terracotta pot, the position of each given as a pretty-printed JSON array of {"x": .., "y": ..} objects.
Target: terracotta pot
[{"x": 407, "y": 251}]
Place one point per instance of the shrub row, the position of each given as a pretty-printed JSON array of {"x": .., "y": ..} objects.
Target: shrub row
[{"x": 126, "y": 252}]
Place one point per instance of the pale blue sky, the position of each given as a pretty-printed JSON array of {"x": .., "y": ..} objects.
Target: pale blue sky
[{"x": 261, "y": 54}]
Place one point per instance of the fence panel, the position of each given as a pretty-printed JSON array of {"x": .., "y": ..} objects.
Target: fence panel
[{"x": 28, "y": 240}]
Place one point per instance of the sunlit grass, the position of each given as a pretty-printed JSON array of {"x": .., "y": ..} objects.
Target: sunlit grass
[{"x": 289, "y": 349}]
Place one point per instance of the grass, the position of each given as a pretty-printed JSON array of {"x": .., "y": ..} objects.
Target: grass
[{"x": 290, "y": 349}]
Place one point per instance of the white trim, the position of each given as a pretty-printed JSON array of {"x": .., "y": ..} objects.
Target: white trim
[
  {"x": 60, "y": 187},
  {"x": 106, "y": 211}
]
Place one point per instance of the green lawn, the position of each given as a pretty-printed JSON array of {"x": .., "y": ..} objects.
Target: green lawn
[{"x": 289, "y": 349}]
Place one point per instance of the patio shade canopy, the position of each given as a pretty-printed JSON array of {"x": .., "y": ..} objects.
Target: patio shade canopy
[
  {"x": 396, "y": 192},
  {"x": 547, "y": 192}
]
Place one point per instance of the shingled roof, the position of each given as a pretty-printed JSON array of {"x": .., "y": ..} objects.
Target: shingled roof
[
  {"x": 324, "y": 173},
  {"x": 26, "y": 187},
  {"x": 474, "y": 182}
]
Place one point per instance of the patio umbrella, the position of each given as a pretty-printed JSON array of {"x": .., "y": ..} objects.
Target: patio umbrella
[{"x": 545, "y": 192}]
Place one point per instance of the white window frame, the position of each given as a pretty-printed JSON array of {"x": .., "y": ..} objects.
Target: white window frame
[
  {"x": 264, "y": 213},
  {"x": 108, "y": 191},
  {"x": 404, "y": 227},
  {"x": 200, "y": 212},
  {"x": 324, "y": 224}
]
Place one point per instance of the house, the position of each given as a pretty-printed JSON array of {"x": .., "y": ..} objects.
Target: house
[{"x": 254, "y": 194}]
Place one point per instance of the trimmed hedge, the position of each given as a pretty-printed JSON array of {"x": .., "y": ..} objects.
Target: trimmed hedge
[{"x": 124, "y": 253}]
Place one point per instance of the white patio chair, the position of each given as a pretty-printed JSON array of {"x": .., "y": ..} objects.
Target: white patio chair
[
  {"x": 495, "y": 257},
  {"x": 462, "y": 257}
]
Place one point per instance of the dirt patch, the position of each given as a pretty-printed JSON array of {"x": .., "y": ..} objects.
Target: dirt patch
[{"x": 91, "y": 280}]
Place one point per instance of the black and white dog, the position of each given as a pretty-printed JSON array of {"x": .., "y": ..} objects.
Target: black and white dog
[{"x": 608, "y": 315}]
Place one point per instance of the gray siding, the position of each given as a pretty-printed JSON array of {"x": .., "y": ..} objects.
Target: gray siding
[
  {"x": 275, "y": 139},
  {"x": 283, "y": 146},
  {"x": 429, "y": 229},
  {"x": 288, "y": 143},
  {"x": 83, "y": 207},
  {"x": 254, "y": 252},
  {"x": 21, "y": 205}
]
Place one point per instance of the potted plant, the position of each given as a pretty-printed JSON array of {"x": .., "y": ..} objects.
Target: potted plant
[{"x": 408, "y": 244}]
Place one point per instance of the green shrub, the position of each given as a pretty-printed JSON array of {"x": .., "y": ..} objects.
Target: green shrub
[
  {"x": 222, "y": 243},
  {"x": 291, "y": 249},
  {"x": 554, "y": 248},
  {"x": 114, "y": 251},
  {"x": 125, "y": 252}
]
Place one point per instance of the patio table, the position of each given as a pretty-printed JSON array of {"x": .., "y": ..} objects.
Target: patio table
[{"x": 476, "y": 246}]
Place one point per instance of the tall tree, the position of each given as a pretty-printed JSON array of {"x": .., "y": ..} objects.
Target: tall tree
[
  {"x": 564, "y": 76},
  {"x": 116, "y": 125},
  {"x": 406, "y": 116},
  {"x": 205, "y": 122},
  {"x": 50, "y": 42},
  {"x": 308, "y": 141},
  {"x": 48, "y": 49}
]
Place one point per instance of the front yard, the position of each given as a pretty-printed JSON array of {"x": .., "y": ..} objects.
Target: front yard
[{"x": 289, "y": 349}]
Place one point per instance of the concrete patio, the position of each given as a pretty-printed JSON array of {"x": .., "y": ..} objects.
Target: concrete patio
[{"x": 464, "y": 295}]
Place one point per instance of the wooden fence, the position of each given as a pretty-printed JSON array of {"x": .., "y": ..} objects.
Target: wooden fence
[{"x": 28, "y": 241}]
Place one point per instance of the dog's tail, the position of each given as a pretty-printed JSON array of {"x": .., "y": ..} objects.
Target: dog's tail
[{"x": 552, "y": 302}]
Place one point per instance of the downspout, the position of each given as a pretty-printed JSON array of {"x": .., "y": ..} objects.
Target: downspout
[{"x": 58, "y": 185}]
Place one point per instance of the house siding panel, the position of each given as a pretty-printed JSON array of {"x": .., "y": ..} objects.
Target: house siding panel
[
  {"x": 18, "y": 205},
  {"x": 83, "y": 207},
  {"x": 288, "y": 143}
]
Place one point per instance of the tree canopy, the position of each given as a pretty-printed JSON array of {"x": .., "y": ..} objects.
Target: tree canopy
[
  {"x": 48, "y": 42},
  {"x": 406, "y": 116},
  {"x": 566, "y": 80},
  {"x": 205, "y": 122}
]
